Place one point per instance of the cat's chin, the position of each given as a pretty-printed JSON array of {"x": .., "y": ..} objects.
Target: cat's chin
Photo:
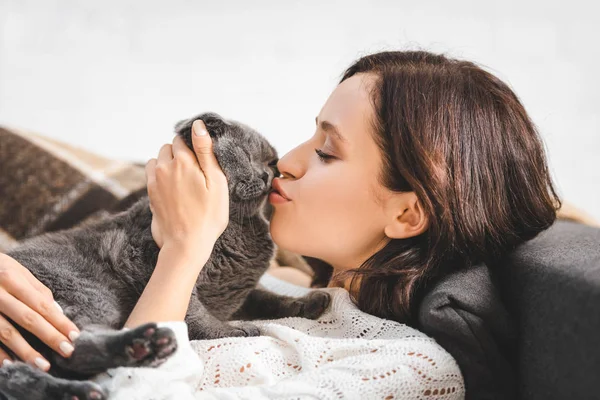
[{"x": 249, "y": 208}]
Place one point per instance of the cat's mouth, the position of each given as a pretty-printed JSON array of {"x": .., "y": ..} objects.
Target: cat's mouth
[{"x": 250, "y": 192}]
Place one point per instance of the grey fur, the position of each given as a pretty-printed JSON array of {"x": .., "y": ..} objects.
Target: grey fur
[{"x": 98, "y": 271}]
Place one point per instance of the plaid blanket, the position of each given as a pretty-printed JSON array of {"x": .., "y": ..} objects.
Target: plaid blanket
[{"x": 46, "y": 185}]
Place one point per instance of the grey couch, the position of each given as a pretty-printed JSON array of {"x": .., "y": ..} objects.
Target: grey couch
[
  {"x": 530, "y": 329},
  {"x": 552, "y": 288}
]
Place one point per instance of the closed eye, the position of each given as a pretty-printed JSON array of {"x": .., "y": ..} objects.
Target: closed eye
[{"x": 323, "y": 156}]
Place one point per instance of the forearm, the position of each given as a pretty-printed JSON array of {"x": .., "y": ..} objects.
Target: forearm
[{"x": 167, "y": 295}]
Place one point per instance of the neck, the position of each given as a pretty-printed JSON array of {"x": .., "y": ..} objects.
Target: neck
[{"x": 352, "y": 289}]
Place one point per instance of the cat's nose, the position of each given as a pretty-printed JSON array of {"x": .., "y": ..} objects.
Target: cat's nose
[{"x": 265, "y": 177}]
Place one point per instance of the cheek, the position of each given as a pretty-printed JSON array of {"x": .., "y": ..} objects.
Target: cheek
[
  {"x": 351, "y": 217},
  {"x": 329, "y": 216}
]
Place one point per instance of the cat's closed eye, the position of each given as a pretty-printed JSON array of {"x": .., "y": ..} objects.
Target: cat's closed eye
[{"x": 273, "y": 166}]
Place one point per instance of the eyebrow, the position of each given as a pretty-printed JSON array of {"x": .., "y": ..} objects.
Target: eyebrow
[{"x": 331, "y": 130}]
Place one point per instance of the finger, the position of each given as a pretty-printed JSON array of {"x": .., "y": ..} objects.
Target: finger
[
  {"x": 54, "y": 326},
  {"x": 4, "y": 358},
  {"x": 37, "y": 324},
  {"x": 21, "y": 290},
  {"x": 39, "y": 286},
  {"x": 203, "y": 147},
  {"x": 12, "y": 339},
  {"x": 182, "y": 151},
  {"x": 42, "y": 289},
  {"x": 165, "y": 154},
  {"x": 150, "y": 171}
]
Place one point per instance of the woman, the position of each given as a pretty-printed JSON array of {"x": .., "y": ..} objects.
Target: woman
[{"x": 419, "y": 165}]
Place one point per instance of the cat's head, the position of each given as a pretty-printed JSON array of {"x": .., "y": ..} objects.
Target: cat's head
[{"x": 247, "y": 159}]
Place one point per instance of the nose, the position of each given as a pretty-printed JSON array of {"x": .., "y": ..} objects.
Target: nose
[
  {"x": 265, "y": 177},
  {"x": 292, "y": 164}
]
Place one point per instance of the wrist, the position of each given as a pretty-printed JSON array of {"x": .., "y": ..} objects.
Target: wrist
[
  {"x": 184, "y": 255},
  {"x": 192, "y": 242}
]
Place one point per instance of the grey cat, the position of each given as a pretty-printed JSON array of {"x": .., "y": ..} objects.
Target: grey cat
[{"x": 98, "y": 271}]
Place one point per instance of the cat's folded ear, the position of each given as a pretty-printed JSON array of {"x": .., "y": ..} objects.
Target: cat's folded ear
[{"x": 215, "y": 124}]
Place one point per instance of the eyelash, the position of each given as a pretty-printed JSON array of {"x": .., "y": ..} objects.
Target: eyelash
[{"x": 323, "y": 156}]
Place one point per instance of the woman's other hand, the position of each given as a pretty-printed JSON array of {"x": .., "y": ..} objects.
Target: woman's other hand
[
  {"x": 188, "y": 193},
  {"x": 29, "y": 303}
]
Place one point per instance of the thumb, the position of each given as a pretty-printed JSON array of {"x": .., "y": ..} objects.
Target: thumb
[{"x": 203, "y": 147}]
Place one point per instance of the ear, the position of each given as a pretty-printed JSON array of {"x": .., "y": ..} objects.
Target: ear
[
  {"x": 406, "y": 217},
  {"x": 215, "y": 124}
]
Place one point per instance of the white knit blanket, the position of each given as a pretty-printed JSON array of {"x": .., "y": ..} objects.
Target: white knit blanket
[{"x": 345, "y": 354}]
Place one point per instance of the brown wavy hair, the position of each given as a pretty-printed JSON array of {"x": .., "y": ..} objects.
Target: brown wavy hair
[{"x": 459, "y": 138}]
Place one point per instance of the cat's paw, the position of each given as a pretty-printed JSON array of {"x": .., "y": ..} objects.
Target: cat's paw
[
  {"x": 149, "y": 346},
  {"x": 242, "y": 329},
  {"x": 83, "y": 390},
  {"x": 314, "y": 304}
]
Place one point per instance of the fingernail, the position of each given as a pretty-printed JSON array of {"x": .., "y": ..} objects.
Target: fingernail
[
  {"x": 73, "y": 335},
  {"x": 66, "y": 347},
  {"x": 59, "y": 307},
  {"x": 41, "y": 363},
  {"x": 6, "y": 362},
  {"x": 199, "y": 129}
]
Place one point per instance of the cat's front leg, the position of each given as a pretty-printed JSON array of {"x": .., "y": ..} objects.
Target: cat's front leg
[
  {"x": 262, "y": 304},
  {"x": 98, "y": 349},
  {"x": 203, "y": 325},
  {"x": 22, "y": 381}
]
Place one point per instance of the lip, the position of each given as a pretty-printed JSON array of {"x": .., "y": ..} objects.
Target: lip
[{"x": 276, "y": 187}]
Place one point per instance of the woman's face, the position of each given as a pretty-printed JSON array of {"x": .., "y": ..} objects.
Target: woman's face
[{"x": 337, "y": 207}]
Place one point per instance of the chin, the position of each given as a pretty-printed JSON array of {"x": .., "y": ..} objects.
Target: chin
[
  {"x": 283, "y": 236},
  {"x": 276, "y": 235}
]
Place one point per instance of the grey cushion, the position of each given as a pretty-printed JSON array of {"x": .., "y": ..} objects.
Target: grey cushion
[
  {"x": 547, "y": 346},
  {"x": 552, "y": 287},
  {"x": 465, "y": 315}
]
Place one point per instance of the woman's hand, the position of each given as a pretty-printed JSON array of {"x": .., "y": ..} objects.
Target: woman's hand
[
  {"x": 188, "y": 193},
  {"x": 29, "y": 303},
  {"x": 189, "y": 200}
]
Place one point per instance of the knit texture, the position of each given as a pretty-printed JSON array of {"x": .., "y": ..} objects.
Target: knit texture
[{"x": 345, "y": 354}]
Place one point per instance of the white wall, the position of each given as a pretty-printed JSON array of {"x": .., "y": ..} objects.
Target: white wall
[{"x": 113, "y": 76}]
